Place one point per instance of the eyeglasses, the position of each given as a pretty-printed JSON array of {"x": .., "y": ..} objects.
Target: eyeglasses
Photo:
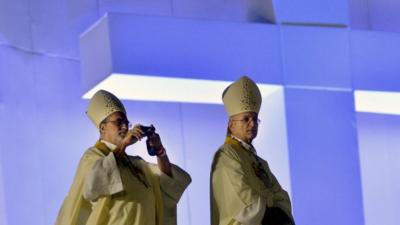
[
  {"x": 248, "y": 119},
  {"x": 119, "y": 122}
]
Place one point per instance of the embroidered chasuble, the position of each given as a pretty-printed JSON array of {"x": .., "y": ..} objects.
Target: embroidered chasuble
[
  {"x": 107, "y": 191},
  {"x": 244, "y": 190}
]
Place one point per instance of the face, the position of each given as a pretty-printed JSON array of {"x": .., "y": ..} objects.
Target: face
[
  {"x": 244, "y": 126},
  {"x": 114, "y": 128}
]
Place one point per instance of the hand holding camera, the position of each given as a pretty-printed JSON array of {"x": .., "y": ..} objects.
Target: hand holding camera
[{"x": 153, "y": 142}]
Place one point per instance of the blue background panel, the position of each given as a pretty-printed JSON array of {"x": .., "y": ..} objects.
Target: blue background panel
[
  {"x": 56, "y": 82},
  {"x": 379, "y": 143},
  {"x": 323, "y": 154},
  {"x": 20, "y": 156},
  {"x": 196, "y": 49},
  {"x": 316, "y": 56},
  {"x": 204, "y": 130},
  {"x": 139, "y": 7},
  {"x": 384, "y": 15},
  {"x": 21, "y": 165},
  {"x": 95, "y": 54},
  {"x": 375, "y": 60},
  {"x": 235, "y": 10},
  {"x": 3, "y": 212},
  {"x": 312, "y": 11},
  {"x": 359, "y": 14},
  {"x": 43, "y": 115},
  {"x": 67, "y": 134},
  {"x": 15, "y": 23},
  {"x": 56, "y": 25},
  {"x": 16, "y": 64},
  {"x": 63, "y": 131},
  {"x": 271, "y": 142},
  {"x": 2, "y": 202}
]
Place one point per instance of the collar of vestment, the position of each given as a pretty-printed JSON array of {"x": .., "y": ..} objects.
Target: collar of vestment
[
  {"x": 103, "y": 147},
  {"x": 240, "y": 143},
  {"x": 110, "y": 145}
]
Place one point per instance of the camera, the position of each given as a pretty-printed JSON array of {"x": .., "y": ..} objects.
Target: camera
[{"x": 147, "y": 130}]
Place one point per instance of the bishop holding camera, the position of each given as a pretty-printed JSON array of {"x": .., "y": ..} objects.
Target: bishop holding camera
[{"x": 111, "y": 187}]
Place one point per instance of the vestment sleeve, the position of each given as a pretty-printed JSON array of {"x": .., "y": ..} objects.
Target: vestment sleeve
[
  {"x": 281, "y": 198},
  {"x": 103, "y": 179},
  {"x": 172, "y": 189}
]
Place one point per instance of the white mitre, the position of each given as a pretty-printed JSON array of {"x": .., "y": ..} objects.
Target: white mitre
[
  {"x": 103, "y": 104},
  {"x": 242, "y": 95}
]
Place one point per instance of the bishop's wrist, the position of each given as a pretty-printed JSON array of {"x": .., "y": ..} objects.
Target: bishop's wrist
[{"x": 161, "y": 152}]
